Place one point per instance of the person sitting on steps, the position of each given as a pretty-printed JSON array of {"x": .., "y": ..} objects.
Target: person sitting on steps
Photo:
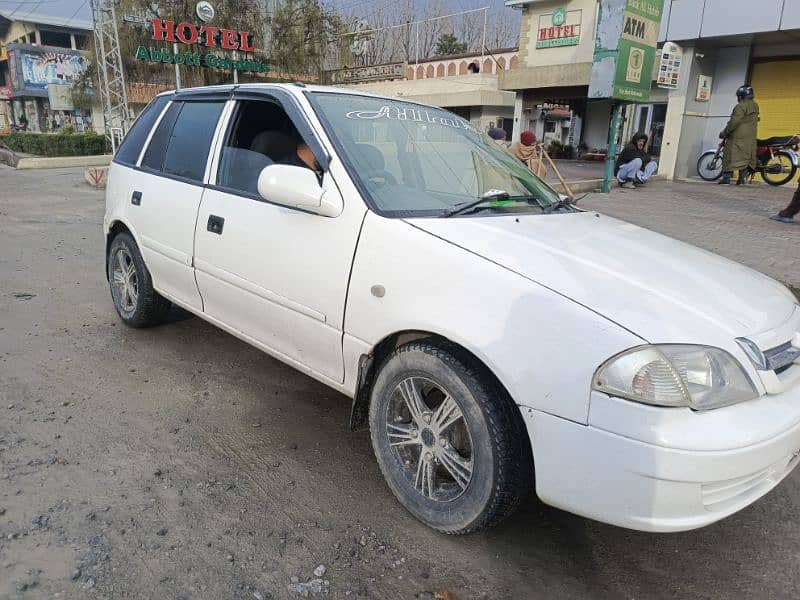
[{"x": 634, "y": 165}]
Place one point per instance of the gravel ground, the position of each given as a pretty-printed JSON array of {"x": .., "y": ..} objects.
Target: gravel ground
[{"x": 178, "y": 462}]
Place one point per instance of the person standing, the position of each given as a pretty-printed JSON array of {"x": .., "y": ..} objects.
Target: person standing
[
  {"x": 635, "y": 165},
  {"x": 787, "y": 214},
  {"x": 525, "y": 150},
  {"x": 740, "y": 138}
]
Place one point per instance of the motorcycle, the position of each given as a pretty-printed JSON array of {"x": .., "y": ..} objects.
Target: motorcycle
[{"x": 776, "y": 156}]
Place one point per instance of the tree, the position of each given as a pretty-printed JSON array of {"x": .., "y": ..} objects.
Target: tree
[
  {"x": 302, "y": 33},
  {"x": 448, "y": 45}
]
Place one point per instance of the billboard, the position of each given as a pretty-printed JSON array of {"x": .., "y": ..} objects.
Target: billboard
[{"x": 33, "y": 68}]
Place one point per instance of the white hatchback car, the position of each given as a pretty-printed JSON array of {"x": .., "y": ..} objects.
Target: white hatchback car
[{"x": 493, "y": 337}]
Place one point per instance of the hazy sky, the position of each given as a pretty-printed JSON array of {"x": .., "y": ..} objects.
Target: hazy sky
[{"x": 77, "y": 9}]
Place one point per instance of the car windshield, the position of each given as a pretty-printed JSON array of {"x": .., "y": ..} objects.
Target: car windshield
[{"x": 415, "y": 160}]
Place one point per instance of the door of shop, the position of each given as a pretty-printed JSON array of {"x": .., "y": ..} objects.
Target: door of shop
[{"x": 777, "y": 89}]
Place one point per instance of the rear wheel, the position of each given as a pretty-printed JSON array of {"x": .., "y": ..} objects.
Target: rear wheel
[
  {"x": 709, "y": 166},
  {"x": 137, "y": 303},
  {"x": 448, "y": 438},
  {"x": 780, "y": 169}
]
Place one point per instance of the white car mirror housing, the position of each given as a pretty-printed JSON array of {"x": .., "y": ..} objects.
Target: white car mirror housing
[{"x": 298, "y": 187}]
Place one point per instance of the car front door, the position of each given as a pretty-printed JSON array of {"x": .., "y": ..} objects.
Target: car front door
[
  {"x": 166, "y": 194},
  {"x": 274, "y": 275}
]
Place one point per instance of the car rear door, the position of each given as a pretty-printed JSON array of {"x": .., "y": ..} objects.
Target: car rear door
[
  {"x": 166, "y": 194},
  {"x": 274, "y": 275}
]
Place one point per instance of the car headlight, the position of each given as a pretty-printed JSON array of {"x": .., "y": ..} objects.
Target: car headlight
[{"x": 698, "y": 377}]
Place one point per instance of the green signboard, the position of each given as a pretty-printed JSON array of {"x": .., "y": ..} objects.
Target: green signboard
[
  {"x": 625, "y": 52},
  {"x": 637, "y": 50}
]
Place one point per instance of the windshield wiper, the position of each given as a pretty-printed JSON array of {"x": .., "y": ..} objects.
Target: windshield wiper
[
  {"x": 563, "y": 203},
  {"x": 490, "y": 196}
]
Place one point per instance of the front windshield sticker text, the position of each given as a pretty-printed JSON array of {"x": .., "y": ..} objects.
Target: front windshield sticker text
[{"x": 395, "y": 113}]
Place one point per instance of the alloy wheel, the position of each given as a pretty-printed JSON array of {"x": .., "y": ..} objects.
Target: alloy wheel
[
  {"x": 430, "y": 439},
  {"x": 125, "y": 280}
]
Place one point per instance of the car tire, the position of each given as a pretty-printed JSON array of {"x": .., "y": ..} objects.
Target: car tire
[
  {"x": 460, "y": 461},
  {"x": 137, "y": 303}
]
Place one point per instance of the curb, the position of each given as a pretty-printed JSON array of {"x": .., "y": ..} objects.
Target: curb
[
  {"x": 578, "y": 187},
  {"x": 61, "y": 162}
]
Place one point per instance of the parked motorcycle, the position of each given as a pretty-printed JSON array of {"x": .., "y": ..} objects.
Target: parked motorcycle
[{"x": 777, "y": 160}]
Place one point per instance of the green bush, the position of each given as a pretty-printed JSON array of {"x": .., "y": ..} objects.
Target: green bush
[{"x": 57, "y": 144}]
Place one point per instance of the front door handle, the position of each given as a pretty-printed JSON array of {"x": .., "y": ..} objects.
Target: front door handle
[
  {"x": 215, "y": 224},
  {"x": 136, "y": 198}
]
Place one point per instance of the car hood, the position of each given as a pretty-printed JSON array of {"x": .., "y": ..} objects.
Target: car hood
[{"x": 663, "y": 290}]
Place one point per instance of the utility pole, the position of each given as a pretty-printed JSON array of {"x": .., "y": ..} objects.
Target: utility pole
[{"x": 113, "y": 93}]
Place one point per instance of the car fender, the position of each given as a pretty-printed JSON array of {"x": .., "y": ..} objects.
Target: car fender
[{"x": 543, "y": 347}]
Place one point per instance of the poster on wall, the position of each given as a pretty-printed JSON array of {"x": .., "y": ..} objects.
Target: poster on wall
[
  {"x": 6, "y": 92},
  {"x": 704, "y": 88},
  {"x": 12, "y": 69},
  {"x": 60, "y": 97},
  {"x": 40, "y": 69},
  {"x": 669, "y": 68}
]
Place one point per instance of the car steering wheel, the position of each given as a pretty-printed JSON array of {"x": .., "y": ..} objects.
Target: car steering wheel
[{"x": 387, "y": 177}]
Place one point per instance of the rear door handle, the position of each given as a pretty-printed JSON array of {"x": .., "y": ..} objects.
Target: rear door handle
[
  {"x": 215, "y": 224},
  {"x": 136, "y": 198}
]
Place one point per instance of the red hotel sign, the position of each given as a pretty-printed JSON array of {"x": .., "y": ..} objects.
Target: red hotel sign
[
  {"x": 188, "y": 33},
  {"x": 559, "y": 28},
  {"x": 558, "y": 33}
]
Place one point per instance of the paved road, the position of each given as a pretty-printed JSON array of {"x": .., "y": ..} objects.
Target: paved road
[{"x": 178, "y": 462}]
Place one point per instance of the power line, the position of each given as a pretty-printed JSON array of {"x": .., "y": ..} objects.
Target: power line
[{"x": 77, "y": 10}]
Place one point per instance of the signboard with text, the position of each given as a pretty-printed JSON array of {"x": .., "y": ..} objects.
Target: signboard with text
[
  {"x": 373, "y": 73},
  {"x": 559, "y": 28},
  {"x": 625, "y": 52},
  {"x": 669, "y": 67},
  {"x": 202, "y": 35}
]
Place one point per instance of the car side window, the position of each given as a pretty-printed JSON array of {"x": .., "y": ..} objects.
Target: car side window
[
  {"x": 154, "y": 156},
  {"x": 260, "y": 134},
  {"x": 190, "y": 141},
  {"x": 130, "y": 148}
]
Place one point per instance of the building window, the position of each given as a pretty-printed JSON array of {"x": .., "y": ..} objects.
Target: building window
[
  {"x": 55, "y": 38},
  {"x": 440, "y": 71}
]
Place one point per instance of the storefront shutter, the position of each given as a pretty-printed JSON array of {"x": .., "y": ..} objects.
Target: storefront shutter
[{"x": 777, "y": 90}]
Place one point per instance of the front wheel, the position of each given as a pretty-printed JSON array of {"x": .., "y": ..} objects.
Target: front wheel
[
  {"x": 449, "y": 440},
  {"x": 780, "y": 169},
  {"x": 709, "y": 166}
]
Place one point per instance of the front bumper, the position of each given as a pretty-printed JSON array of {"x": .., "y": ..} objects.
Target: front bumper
[{"x": 639, "y": 485}]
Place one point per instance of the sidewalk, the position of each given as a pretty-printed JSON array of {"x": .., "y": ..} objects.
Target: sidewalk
[{"x": 728, "y": 220}]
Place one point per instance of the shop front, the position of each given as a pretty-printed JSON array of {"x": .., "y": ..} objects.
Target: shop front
[
  {"x": 551, "y": 82},
  {"x": 41, "y": 82}
]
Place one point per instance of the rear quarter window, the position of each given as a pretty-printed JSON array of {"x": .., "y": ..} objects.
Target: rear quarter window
[{"x": 131, "y": 146}]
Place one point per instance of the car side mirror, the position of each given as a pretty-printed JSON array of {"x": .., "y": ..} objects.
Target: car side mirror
[{"x": 298, "y": 187}]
